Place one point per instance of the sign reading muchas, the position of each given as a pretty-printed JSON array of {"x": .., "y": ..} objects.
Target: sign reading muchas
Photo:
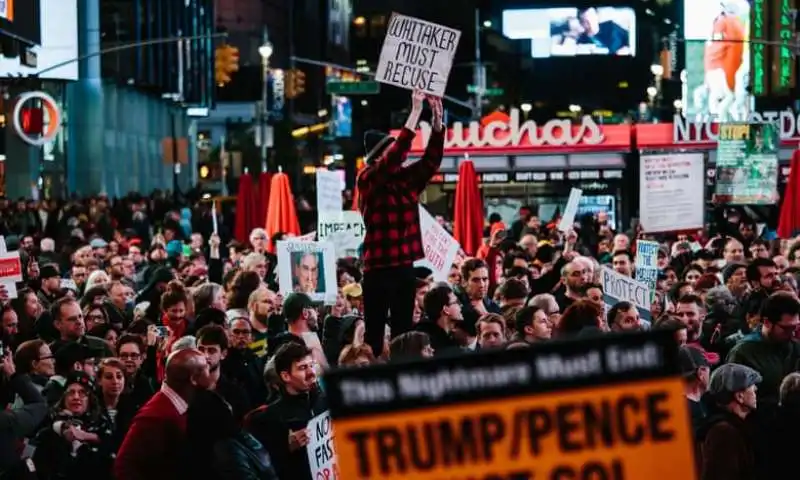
[
  {"x": 320, "y": 449},
  {"x": 417, "y": 54},
  {"x": 51, "y": 115},
  {"x": 609, "y": 408},
  {"x": 556, "y": 132}
]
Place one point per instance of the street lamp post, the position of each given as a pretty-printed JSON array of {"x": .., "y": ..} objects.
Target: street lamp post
[{"x": 265, "y": 51}]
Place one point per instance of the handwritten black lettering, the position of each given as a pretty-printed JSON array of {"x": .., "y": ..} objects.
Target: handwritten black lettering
[
  {"x": 492, "y": 433},
  {"x": 410, "y": 76},
  {"x": 427, "y": 34},
  {"x": 415, "y": 55},
  {"x": 458, "y": 442},
  {"x": 390, "y": 451},
  {"x": 658, "y": 417}
]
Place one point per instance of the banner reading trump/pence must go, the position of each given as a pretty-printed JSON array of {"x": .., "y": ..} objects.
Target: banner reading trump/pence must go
[{"x": 603, "y": 408}]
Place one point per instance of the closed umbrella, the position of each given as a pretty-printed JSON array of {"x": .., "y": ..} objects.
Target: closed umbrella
[
  {"x": 468, "y": 215},
  {"x": 264, "y": 180},
  {"x": 245, "y": 209},
  {"x": 789, "y": 222},
  {"x": 281, "y": 212}
]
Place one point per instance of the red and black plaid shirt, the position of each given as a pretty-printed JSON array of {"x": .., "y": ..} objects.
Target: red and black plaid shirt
[{"x": 390, "y": 202}]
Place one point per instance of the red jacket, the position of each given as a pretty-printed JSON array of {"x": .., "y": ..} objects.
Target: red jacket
[{"x": 153, "y": 445}]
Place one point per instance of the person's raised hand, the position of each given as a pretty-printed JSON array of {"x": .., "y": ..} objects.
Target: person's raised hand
[
  {"x": 417, "y": 99},
  {"x": 437, "y": 110}
]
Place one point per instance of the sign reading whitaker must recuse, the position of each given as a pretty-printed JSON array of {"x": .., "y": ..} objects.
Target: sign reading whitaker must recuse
[
  {"x": 417, "y": 55},
  {"x": 609, "y": 408}
]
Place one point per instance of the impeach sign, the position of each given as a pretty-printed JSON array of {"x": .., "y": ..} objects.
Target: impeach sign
[
  {"x": 609, "y": 408},
  {"x": 417, "y": 55}
]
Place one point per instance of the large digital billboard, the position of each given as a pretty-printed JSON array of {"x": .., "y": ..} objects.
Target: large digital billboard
[
  {"x": 59, "y": 42},
  {"x": 20, "y": 19},
  {"x": 717, "y": 59},
  {"x": 570, "y": 32}
]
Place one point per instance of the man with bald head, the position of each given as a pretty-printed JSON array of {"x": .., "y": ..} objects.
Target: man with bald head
[{"x": 153, "y": 448}]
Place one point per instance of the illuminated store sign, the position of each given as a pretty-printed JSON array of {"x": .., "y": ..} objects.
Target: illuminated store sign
[
  {"x": 758, "y": 51},
  {"x": 36, "y": 118},
  {"x": 783, "y": 77}
]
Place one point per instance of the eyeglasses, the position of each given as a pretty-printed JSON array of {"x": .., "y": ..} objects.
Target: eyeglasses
[
  {"x": 241, "y": 332},
  {"x": 129, "y": 356}
]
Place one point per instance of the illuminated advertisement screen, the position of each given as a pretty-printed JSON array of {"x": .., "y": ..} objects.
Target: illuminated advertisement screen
[
  {"x": 717, "y": 59},
  {"x": 571, "y": 32}
]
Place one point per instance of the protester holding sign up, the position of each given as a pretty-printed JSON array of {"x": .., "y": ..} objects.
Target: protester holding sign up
[{"x": 390, "y": 206}]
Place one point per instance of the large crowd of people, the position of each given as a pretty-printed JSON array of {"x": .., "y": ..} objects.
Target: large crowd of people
[{"x": 140, "y": 346}]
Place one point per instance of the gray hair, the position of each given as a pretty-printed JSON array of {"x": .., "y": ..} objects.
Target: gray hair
[
  {"x": 184, "y": 343},
  {"x": 720, "y": 298},
  {"x": 203, "y": 295}
]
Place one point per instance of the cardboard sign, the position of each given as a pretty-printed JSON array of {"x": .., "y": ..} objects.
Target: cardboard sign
[
  {"x": 417, "y": 55},
  {"x": 320, "y": 449},
  {"x": 307, "y": 267},
  {"x": 345, "y": 230},
  {"x": 440, "y": 247},
  {"x": 329, "y": 191},
  {"x": 568, "y": 218},
  {"x": 610, "y": 407},
  {"x": 619, "y": 288}
]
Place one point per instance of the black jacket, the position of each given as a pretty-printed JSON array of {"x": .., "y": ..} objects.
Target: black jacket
[
  {"x": 242, "y": 458},
  {"x": 271, "y": 427},
  {"x": 19, "y": 423},
  {"x": 243, "y": 368},
  {"x": 441, "y": 341}
]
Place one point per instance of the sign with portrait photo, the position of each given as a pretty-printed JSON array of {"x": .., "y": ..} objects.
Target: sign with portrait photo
[
  {"x": 417, "y": 55},
  {"x": 307, "y": 267}
]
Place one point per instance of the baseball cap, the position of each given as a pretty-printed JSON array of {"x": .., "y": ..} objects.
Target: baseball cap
[
  {"x": 49, "y": 271},
  {"x": 295, "y": 302},
  {"x": 691, "y": 359},
  {"x": 732, "y": 378},
  {"x": 98, "y": 243},
  {"x": 71, "y": 353}
]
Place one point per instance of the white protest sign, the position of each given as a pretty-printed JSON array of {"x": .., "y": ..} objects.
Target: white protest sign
[
  {"x": 417, "y": 55},
  {"x": 672, "y": 192},
  {"x": 329, "y": 191},
  {"x": 568, "y": 218},
  {"x": 10, "y": 269},
  {"x": 345, "y": 230},
  {"x": 307, "y": 267},
  {"x": 619, "y": 288},
  {"x": 647, "y": 264},
  {"x": 214, "y": 217},
  {"x": 320, "y": 449},
  {"x": 308, "y": 237},
  {"x": 440, "y": 247}
]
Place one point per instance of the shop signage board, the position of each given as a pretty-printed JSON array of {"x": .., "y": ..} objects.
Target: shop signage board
[
  {"x": 688, "y": 130},
  {"x": 671, "y": 192},
  {"x": 747, "y": 164},
  {"x": 609, "y": 407},
  {"x": 514, "y": 134}
]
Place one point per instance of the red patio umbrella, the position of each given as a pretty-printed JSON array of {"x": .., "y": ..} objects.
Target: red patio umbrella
[
  {"x": 789, "y": 222},
  {"x": 262, "y": 198},
  {"x": 281, "y": 212},
  {"x": 468, "y": 215},
  {"x": 246, "y": 219}
]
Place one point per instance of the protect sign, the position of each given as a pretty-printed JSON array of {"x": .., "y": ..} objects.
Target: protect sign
[
  {"x": 601, "y": 409},
  {"x": 417, "y": 55},
  {"x": 321, "y": 452}
]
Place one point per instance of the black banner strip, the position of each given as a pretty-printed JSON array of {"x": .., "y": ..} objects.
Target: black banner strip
[{"x": 546, "y": 367}]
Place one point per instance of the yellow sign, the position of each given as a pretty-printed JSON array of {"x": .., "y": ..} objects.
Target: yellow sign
[
  {"x": 599, "y": 410},
  {"x": 734, "y": 131}
]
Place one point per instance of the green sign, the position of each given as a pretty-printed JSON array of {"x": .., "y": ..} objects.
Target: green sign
[
  {"x": 783, "y": 79},
  {"x": 488, "y": 92},
  {"x": 747, "y": 164},
  {"x": 369, "y": 87},
  {"x": 758, "y": 51}
]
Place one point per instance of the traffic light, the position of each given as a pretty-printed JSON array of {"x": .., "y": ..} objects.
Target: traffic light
[
  {"x": 295, "y": 83},
  {"x": 226, "y": 61}
]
